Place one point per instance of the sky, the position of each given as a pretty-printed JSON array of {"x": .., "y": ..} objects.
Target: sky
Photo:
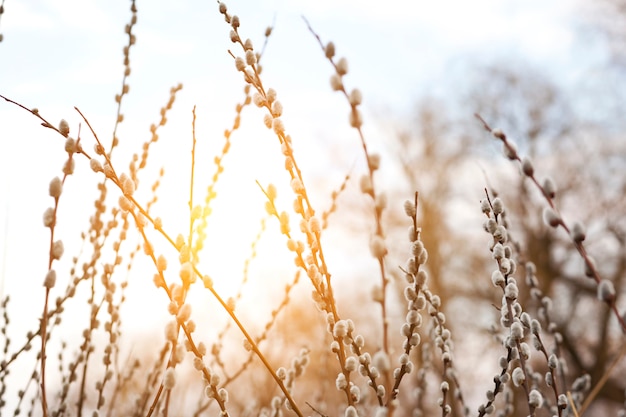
[{"x": 59, "y": 54}]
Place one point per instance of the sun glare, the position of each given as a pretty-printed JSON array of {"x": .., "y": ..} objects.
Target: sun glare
[{"x": 234, "y": 241}]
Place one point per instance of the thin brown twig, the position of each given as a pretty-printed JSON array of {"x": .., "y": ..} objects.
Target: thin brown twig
[
  {"x": 572, "y": 404},
  {"x": 598, "y": 387},
  {"x": 315, "y": 409}
]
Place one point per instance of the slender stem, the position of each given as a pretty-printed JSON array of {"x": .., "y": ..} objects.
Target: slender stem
[
  {"x": 44, "y": 324},
  {"x": 191, "y": 176}
]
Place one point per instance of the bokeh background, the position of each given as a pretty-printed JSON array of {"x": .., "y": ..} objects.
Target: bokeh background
[{"x": 550, "y": 74}]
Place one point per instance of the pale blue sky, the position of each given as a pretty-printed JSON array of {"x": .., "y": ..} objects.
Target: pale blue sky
[{"x": 60, "y": 54}]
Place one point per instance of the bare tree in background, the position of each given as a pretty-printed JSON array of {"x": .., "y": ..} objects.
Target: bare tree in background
[
  {"x": 585, "y": 159},
  {"x": 607, "y": 18}
]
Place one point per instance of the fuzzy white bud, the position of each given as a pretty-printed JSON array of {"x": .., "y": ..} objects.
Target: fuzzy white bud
[
  {"x": 551, "y": 218},
  {"x": 549, "y": 187},
  {"x": 578, "y": 232},
  {"x": 409, "y": 208},
  {"x": 342, "y": 66},
  {"x": 169, "y": 380},
  {"x": 51, "y": 279},
  {"x": 56, "y": 186},
  {"x": 377, "y": 247},
  {"x": 355, "y": 97},
  {"x": 606, "y": 291},
  {"x": 527, "y": 167},
  {"x": 329, "y": 51},
  {"x": 518, "y": 377},
  {"x": 64, "y": 128}
]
